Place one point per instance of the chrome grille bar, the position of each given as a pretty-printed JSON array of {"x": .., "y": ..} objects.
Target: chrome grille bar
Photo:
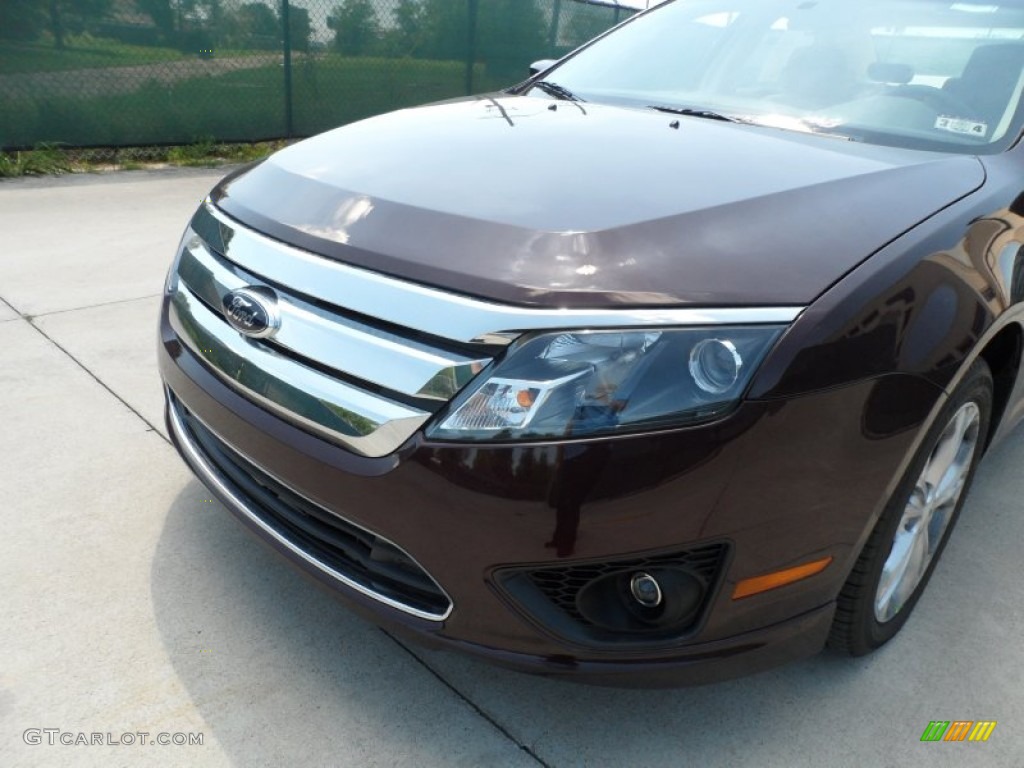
[
  {"x": 330, "y": 339},
  {"x": 361, "y": 421}
]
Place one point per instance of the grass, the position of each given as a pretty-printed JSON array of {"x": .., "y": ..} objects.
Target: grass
[
  {"x": 208, "y": 153},
  {"x": 338, "y": 90},
  {"x": 82, "y": 52},
  {"x": 50, "y": 160},
  {"x": 197, "y": 154},
  {"x": 237, "y": 106},
  {"x": 44, "y": 160}
]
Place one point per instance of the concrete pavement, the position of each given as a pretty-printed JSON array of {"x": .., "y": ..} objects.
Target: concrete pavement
[{"x": 133, "y": 603}]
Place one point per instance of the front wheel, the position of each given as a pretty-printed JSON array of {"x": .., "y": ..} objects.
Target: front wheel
[{"x": 904, "y": 547}]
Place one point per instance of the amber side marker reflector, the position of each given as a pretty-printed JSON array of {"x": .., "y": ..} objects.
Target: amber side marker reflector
[{"x": 759, "y": 584}]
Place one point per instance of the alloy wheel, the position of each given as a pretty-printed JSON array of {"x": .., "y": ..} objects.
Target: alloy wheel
[{"x": 928, "y": 512}]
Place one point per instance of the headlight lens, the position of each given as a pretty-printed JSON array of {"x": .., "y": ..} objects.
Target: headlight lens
[
  {"x": 577, "y": 384},
  {"x": 715, "y": 365}
]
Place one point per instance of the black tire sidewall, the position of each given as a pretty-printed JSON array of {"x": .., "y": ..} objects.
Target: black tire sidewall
[{"x": 869, "y": 633}]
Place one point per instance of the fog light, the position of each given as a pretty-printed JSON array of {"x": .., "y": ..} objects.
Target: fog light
[
  {"x": 663, "y": 599},
  {"x": 645, "y": 590},
  {"x": 715, "y": 365}
]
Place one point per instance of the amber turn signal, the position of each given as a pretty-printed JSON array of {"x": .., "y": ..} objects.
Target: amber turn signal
[
  {"x": 759, "y": 584},
  {"x": 526, "y": 398}
]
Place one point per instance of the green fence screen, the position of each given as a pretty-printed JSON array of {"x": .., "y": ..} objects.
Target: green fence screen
[{"x": 114, "y": 73}]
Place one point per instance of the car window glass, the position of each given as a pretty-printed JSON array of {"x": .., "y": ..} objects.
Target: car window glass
[{"x": 916, "y": 73}]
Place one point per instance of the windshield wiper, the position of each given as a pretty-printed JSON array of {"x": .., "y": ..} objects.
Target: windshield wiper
[
  {"x": 556, "y": 90},
  {"x": 707, "y": 114},
  {"x": 806, "y": 125}
]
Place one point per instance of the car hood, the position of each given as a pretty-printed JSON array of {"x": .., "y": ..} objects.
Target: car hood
[{"x": 531, "y": 201}]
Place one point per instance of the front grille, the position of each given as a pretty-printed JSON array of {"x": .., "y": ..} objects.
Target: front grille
[
  {"x": 372, "y": 562},
  {"x": 364, "y": 382}
]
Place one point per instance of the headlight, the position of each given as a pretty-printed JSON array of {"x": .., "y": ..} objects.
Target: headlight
[{"x": 596, "y": 382}]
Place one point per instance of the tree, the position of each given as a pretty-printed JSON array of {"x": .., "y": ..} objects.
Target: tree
[
  {"x": 162, "y": 13},
  {"x": 251, "y": 25},
  {"x": 585, "y": 23},
  {"x": 198, "y": 14},
  {"x": 356, "y": 27},
  {"x": 509, "y": 34},
  {"x": 187, "y": 23},
  {"x": 56, "y": 23},
  {"x": 21, "y": 19},
  {"x": 512, "y": 33},
  {"x": 406, "y": 36},
  {"x": 445, "y": 29},
  {"x": 299, "y": 28},
  {"x": 258, "y": 19},
  {"x": 65, "y": 15}
]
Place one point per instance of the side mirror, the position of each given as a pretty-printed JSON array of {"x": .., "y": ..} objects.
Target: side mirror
[{"x": 541, "y": 65}]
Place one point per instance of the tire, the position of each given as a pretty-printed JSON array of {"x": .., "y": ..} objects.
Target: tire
[{"x": 901, "y": 550}]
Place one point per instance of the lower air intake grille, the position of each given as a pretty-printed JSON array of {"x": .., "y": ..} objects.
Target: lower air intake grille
[{"x": 367, "y": 559}]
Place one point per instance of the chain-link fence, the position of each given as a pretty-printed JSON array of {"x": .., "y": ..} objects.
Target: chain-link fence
[{"x": 114, "y": 73}]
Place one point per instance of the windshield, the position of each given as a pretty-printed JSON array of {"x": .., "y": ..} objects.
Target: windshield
[{"x": 923, "y": 74}]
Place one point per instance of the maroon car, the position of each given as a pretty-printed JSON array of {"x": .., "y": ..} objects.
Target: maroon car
[{"x": 669, "y": 364}]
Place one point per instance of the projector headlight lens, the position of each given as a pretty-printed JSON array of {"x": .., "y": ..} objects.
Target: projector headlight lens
[{"x": 715, "y": 365}]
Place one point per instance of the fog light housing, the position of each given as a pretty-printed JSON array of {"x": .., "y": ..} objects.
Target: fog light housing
[{"x": 660, "y": 600}]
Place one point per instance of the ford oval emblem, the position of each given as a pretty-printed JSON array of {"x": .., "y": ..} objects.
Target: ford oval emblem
[{"x": 252, "y": 312}]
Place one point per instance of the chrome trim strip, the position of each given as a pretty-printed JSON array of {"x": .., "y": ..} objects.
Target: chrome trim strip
[
  {"x": 210, "y": 476},
  {"x": 444, "y": 314},
  {"x": 359, "y": 420},
  {"x": 374, "y": 355}
]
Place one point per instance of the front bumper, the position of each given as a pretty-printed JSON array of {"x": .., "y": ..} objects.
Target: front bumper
[{"x": 779, "y": 483}]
